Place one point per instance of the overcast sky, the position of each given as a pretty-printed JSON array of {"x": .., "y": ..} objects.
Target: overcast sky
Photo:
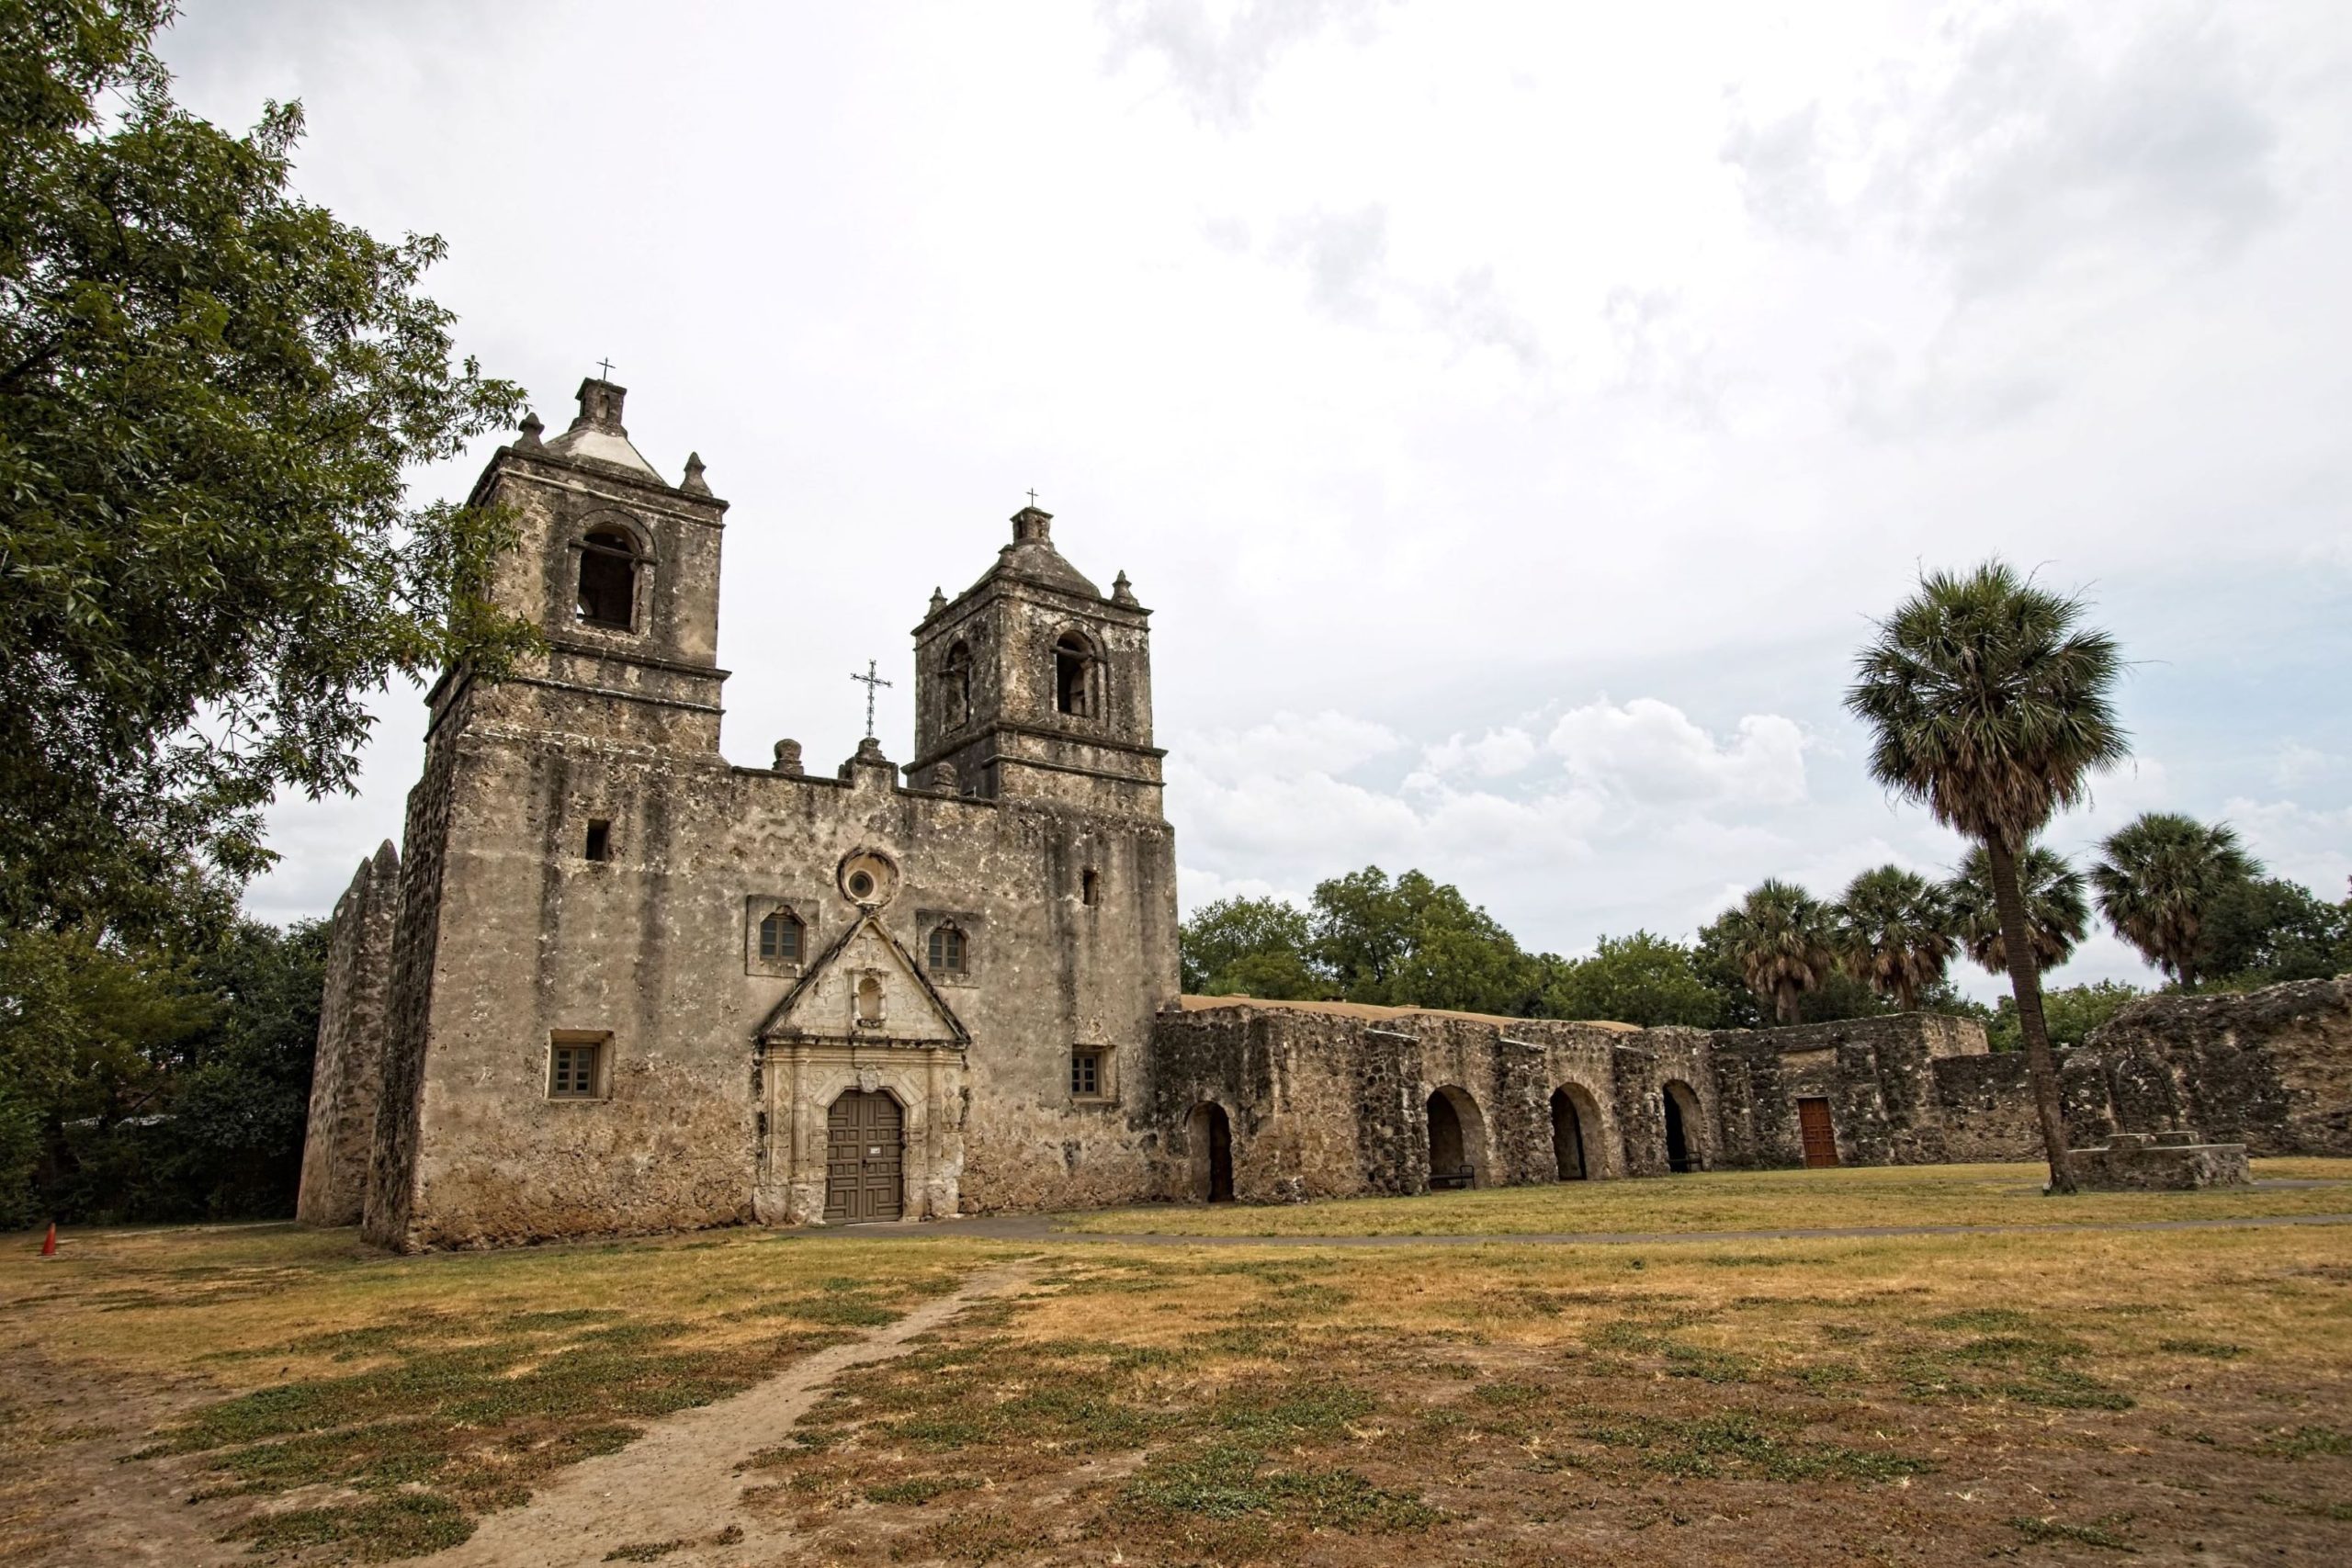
[{"x": 1514, "y": 415}]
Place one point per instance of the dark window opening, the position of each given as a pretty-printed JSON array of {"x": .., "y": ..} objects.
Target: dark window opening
[
  {"x": 1086, "y": 1073},
  {"x": 861, "y": 885},
  {"x": 572, "y": 1071},
  {"x": 780, "y": 937},
  {"x": 1089, "y": 887},
  {"x": 957, "y": 681},
  {"x": 608, "y": 580},
  {"x": 1071, "y": 658},
  {"x": 947, "y": 951},
  {"x": 600, "y": 841}
]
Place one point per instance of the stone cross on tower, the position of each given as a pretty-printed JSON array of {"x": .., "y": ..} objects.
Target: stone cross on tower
[{"x": 870, "y": 681}]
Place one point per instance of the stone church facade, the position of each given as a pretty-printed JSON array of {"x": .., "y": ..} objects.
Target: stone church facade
[{"x": 610, "y": 983}]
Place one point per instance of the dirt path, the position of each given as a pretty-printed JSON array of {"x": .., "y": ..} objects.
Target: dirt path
[{"x": 676, "y": 1488}]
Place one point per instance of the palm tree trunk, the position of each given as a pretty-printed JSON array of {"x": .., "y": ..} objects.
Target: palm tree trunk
[
  {"x": 1784, "y": 1002},
  {"x": 2025, "y": 982},
  {"x": 1906, "y": 997}
]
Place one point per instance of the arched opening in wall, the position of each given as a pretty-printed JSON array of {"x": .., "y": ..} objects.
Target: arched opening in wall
[
  {"x": 1072, "y": 660},
  {"x": 608, "y": 580},
  {"x": 1457, "y": 1139},
  {"x": 1567, "y": 1137},
  {"x": 955, "y": 686},
  {"x": 865, "y": 1158},
  {"x": 1681, "y": 1106},
  {"x": 869, "y": 999},
  {"x": 1208, "y": 1139}
]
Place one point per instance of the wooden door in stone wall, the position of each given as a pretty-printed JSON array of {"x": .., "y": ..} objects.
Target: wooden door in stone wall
[
  {"x": 864, "y": 1160},
  {"x": 1820, "y": 1140}
]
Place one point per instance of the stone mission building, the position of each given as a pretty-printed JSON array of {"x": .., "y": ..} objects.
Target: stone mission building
[
  {"x": 625, "y": 985},
  {"x": 611, "y": 983}
]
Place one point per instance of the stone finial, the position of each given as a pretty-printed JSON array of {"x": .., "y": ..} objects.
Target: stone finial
[
  {"x": 693, "y": 484},
  {"x": 938, "y": 602},
  {"x": 1122, "y": 595},
  {"x": 600, "y": 406},
  {"x": 787, "y": 758},
  {"x": 388, "y": 859},
  {"x": 531, "y": 428},
  {"x": 1029, "y": 523},
  {"x": 944, "y": 778},
  {"x": 869, "y": 754}
]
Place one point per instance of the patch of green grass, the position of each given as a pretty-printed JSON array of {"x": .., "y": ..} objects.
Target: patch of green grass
[
  {"x": 1231, "y": 1481},
  {"x": 977, "y": 1537},
  {"x": 920, "y": 1489},
  {"x": 2211, "y": 1350},
  {"x": 1739, "y": 1443},
  {"x": 2303, "y": 1442},
  {"x": 1311, "y": 1410},
  {"x": 2096, "y": 1533},
  {"x": 409, "y": 1524}
]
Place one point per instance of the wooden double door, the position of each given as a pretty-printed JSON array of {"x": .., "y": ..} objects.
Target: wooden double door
[{"x": 865, "y": 1158}]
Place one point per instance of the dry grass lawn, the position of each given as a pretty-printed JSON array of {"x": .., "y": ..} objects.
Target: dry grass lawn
[
  {"x": 1743, "y": 1200},
  {"x": 2054, "y": 1398}
]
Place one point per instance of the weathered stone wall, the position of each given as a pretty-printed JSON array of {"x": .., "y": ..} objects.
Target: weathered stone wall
[
  {"x": 2271, "y": 1068},
  {"x": 1883, "y": 1078},
  {"x": 1332, "y": 1100},
  {"x": 348, "y": 1070},
  {"x": 408, "y": 1005}
]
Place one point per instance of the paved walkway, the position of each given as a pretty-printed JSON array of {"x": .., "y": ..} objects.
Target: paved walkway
[{"x": 1041, "y": 1228}]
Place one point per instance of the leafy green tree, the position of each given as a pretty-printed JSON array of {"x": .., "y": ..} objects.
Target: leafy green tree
[
  {"x": 2057, "y": 908},
  {"x": 1641, "y": 979},
  {"x": 1416, "y": 942},
  {"x": 210, "y": 390},
  {"x": 1992, "y": 706},
  {"x": 2267, "y": 929},
  {"x": 1781, "y": 938},
  {"x": 1895, "y": 932},
  {"x": 2157, "y": 877},
  {"x": 2072, "y": 1012},
  {"x": 1254, "y": 947}
]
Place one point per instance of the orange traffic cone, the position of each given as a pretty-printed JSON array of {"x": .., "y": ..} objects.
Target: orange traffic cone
[{"x": 49, "y": 1242}]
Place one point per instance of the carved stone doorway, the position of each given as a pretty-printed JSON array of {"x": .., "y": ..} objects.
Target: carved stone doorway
[{"x": 865, "y": 1170}]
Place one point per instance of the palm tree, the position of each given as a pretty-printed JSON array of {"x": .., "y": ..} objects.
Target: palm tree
[
  {"x": 2158, "y": 877},
  {"x": 1780, "y": 937},
  {"x": 1992, "y": 708},
  {"x": 2057, "y": 912},
  {"x": 1894, "y": 932}
]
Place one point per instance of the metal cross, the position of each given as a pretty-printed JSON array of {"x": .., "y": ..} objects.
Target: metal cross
[
  {"x": 1033, "y": 498},
  {"x": 607, "y": 366},
  {"x": 869, "y": 679}
]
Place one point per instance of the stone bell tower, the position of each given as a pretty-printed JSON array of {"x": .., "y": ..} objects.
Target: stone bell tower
[{"x": 1035, "y": 683}]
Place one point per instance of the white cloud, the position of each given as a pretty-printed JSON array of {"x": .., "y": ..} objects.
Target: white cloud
[
  {"x": 1650, "y": 750},
  {"x": 1218, "y": 64},
  {"x": 1493, "y": 755}
]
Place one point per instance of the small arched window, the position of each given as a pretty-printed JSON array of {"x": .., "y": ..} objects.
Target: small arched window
[
  {"x": 780, "y": 934},
  {"x": 1071, "y": 661},
  {"x": 949, "y": 953},
  {"x": 955, "y": 681},
  {"x": 608, "y": 580}
]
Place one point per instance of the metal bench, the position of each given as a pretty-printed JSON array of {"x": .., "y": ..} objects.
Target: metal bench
[{"x": 1445, "y": 1181}]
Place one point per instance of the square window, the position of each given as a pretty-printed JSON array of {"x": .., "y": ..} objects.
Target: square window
[
  {"x": 780, "y": 937},
  {"x": 600, "y": 840},
  {"x": 576, "y": 1067},
  {"x": 1086, "y": 1073}
]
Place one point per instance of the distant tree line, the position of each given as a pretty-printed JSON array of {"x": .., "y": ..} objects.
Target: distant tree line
[{"x": 2184, "y": 894}]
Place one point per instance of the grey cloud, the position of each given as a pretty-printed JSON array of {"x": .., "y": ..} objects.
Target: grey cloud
[
  {"x": 1218, "y": 71},
  {"x": 1343, "y": 254},
  {"x": 2030, "y": 149}
]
